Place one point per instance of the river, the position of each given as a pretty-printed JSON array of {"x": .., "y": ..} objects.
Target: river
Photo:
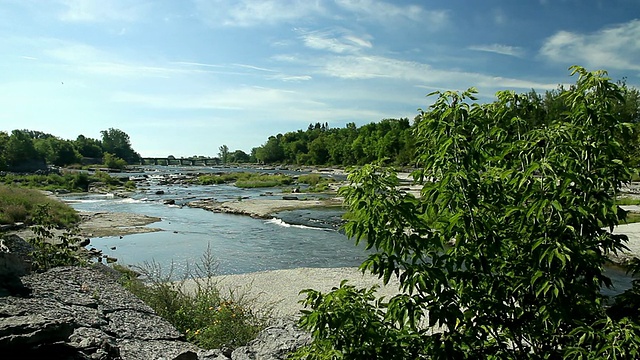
[{"x": 240, "y": 244}]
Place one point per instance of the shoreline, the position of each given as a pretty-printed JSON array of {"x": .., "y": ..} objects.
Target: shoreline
[{"x": 279, "y": 290}]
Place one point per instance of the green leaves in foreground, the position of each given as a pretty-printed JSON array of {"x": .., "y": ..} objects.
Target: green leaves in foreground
[{"x": 502, "y": 255}]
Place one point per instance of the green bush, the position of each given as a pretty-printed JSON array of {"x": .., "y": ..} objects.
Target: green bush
[
  {"x": 503, "y": 254},
  {"x": 51, "y": 250},
  {"x": 207, "y": 317}
]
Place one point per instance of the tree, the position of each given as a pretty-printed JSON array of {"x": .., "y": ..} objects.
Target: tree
[
  {"x": 117, "y": 142},
  {"x": 240, "y": 156},
  {"x": 113, "y": 162},
  {"x": 224, "y": 153},
  {"x": 271, "y": 151},
  {"x": 20, "y": 149},
  {"x": 56, "y": 151},
  {"x": 4, "y": 140},
  {"x": 87, "y": 147},
  {"x": 505, "y": 248}
]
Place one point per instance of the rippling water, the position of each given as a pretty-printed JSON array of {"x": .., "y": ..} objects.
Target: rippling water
[{"x": 299, "y": 238}]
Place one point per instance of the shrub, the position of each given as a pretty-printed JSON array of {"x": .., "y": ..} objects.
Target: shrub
[
  {"x": 51, "y": 250},
  {"x": 505, "y": 249}
]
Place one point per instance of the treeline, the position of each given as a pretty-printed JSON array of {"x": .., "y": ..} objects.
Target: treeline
[
  {"x": 391, "y": 141},
  {"x": 25, "y": 149}
]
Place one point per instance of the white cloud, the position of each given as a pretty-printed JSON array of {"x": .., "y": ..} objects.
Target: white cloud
[
  {"x": 499, "y": 49},
  {"x": 255, "y": 12},
  {"x": 616, "y": 47},
  {"x": 389, "y": 13},
  {"x": 335, "y": 42},
  {"x": 376, "y": 67},
  {"x": 101, "y": 10}
]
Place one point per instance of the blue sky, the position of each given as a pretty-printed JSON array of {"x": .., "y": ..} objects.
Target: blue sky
[{"x": 183, "y": 77}]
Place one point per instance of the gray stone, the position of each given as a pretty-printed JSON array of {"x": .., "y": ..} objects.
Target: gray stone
[{"x": 274, "y": 343}]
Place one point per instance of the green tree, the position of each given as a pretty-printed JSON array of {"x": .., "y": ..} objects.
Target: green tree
[
  {"x": 504, "y": 250},
  {"x": 271, "y": 151},
  {"x": 113, "y": 162},
  {"x": 240, "y": 156},
  {"x": 56, "y": 151},
  {"x": 224, "y": 153},
  {"x": 4, "y": 140},
  {"x": 20, "y": 149},
  {"x": 117, "y": 142},
  {"x": 88, "y": 147}
]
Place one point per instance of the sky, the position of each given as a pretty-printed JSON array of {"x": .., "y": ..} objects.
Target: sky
[{"x": 183, "y": 77}]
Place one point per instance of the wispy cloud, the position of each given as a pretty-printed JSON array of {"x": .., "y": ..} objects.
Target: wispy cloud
[
  {"x": 337, "y": 41},
  {"x": 255, "y": 12},
  {"x": 390, "y": 13},
  {"x": 499, "y": 49},
  {"x": 616, "y": 47},
  {"x": 101, "y": 11},
  {"x": 377, "y": 67}
]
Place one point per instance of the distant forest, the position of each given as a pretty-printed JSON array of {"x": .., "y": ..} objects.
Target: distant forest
[
  {"x": 389, "y": 141},
  {"x": 27, "y": 149}
]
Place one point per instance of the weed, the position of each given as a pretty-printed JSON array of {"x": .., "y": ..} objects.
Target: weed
[{"x": 207, "y": 317}]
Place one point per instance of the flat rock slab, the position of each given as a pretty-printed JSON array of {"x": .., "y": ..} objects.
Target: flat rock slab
[{"x": 84, "y": 313}]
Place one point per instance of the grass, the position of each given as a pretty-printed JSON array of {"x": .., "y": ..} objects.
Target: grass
[
  {"x": 625, "y": 200},
  {"x": 20, "y": 205},
  {"x": 316, "y": 182},
  {"x": 207, "y": 317},
  {"x": 70, "y": 181},
  {"x": 246, "y": 179},
  {"x": 632, "y": 217}
]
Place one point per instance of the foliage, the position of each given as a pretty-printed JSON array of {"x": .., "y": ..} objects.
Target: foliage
[
  {"x": 76, "y": 181},
  {"x": 316, "y": 182},
  {"x": 22, "y": 205},
  {"x": 113, "y": 162},
  {"x": 57, "y": 151},
  {"x": 504, "y": 251},
  {"x": 20, "y": 149},
  {"x": 116, "y": 142},
  {"x": 320, "y": 145},
  {"x": 51, "y": 250},
  {"x": 224, "y": 153},
  {"x": 208, "y": 318}
]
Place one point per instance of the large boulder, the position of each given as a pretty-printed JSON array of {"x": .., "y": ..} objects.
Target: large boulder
[{"x": 14, "y": 263}]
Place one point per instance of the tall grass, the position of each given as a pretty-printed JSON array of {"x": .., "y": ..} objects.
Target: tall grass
[
  {"x": 20, "y": 205},
  {"x": 70, "y": 181},
  {"x": 207, "y": 317}
]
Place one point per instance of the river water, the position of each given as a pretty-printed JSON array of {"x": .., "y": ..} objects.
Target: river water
[{"x": 240, "y": 244}]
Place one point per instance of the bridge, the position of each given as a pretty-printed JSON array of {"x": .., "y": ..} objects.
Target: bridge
[{"x": 195, "y": 161}]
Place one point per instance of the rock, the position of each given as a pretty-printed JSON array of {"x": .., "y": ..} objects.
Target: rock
[
  {"x": 273, "y": 343},
  {"x": 14, "y": 262},
  {"x": 159, "y": 192},
  {"x": 286, "y": 197},
  {"x": 83, "y": 313},
  {"x": 170, "y": 202}
]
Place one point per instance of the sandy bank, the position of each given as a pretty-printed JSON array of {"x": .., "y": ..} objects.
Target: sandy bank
[
  {"x": 262, "y": 208},
  {"x": 282, "y": 287}
]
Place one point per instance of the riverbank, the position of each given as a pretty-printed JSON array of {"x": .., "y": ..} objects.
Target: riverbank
[{"x": 279, "y": 290}]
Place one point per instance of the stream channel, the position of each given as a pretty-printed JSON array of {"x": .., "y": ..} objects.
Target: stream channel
[{"x": 240, "y": 244}]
